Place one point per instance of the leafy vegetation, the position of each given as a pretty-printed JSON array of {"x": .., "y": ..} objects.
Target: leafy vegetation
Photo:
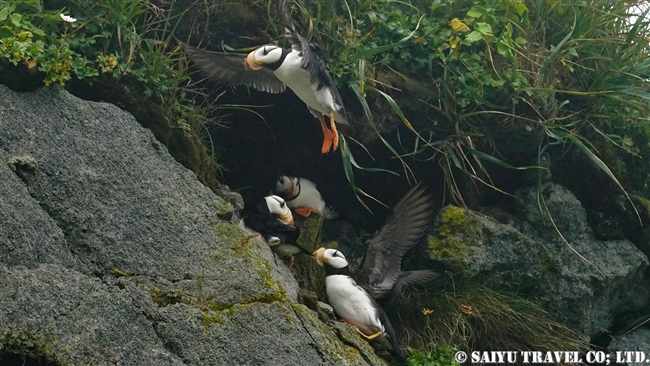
[
  {"x": 21, "y": 347},
  {"x": 435, "y": 356},
  {"x": 113, "y": 45},
  {"x": 570, "y": 73}
]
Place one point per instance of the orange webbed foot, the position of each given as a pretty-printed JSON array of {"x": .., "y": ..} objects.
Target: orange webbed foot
[
  {"x": 327, "y": 137},
  {"x": 304, "y": 211},
  {"x": 335, "y": 133}
]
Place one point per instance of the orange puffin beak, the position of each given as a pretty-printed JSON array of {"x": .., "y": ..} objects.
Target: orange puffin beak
[
  {"x": 252, "y": 63},
  {"x": 318, "y": 256}
]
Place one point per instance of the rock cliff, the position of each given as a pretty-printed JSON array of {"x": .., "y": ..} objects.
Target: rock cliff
[{"x": 113, "y": 253}]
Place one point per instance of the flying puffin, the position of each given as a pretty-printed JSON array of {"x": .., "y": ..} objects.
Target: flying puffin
[
  {"x": 272, "y": 69},
  {"x": 272, "y": 221},
  {"x": 302, "y": 196},
  {"x": 354, "y": 297}
]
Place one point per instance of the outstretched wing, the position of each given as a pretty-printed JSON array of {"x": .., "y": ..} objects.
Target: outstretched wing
[
  {"x": 381, "y": 265},
  {"x": 311, "y": 61},
  {"x": 228, "y": 68},
  {"x": 411, "y": 277}
]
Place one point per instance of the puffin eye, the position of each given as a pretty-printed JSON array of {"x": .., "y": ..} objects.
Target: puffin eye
[{"x": 264, "y": 51}]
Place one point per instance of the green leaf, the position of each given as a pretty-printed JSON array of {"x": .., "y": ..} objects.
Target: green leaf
[
  {"x": 474, "y": 36},
  {"x": 15, "y": 19},
  {"x": 474, "y": 13},
  {"x": 385, "y": 48},
  {"x": 484, "y": 28},
  {"x": 521, "y": 9},
  {"x": 3, "y": 13},
  {"x": 572, "y": 51},
  {"x": 504, "y": 50}
]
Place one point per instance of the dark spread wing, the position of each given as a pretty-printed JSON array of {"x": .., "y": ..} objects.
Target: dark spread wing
[
  {"x": 311, "y": 61},
  {"x": 229, "y": 69},
  {"x": 381, "y": 265},
  {"x": 410, "y": 277}
]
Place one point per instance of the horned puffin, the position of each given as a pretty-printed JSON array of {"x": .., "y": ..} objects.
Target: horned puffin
[
  {"x": 302, "y": 196},
  {"x": 353, "y": 297},
  {"x": 272, "y": 221},
  {"x": 353, "y": 303},
  {"x": 272, "y": 69}
]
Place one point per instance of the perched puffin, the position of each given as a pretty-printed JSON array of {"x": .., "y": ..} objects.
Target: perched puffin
[
  {"x": 354, "y": 297},
  {"x": 271, "y": 69},
  {"x": 302, "y": 196},
  {"x": 353, "y": 303},
  {"x": 272, "y": 221}
]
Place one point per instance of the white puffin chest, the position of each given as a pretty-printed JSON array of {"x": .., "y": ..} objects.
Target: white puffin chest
[
  {"x": 308, "y": 197},
  {"x": 352, "y": 303},
  {"x": 297, "y": 79}
]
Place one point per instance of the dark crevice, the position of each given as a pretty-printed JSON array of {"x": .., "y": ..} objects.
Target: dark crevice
[
  {"x": 170, "y": 349},
  {"x": 16, "y": 359},
  {"x": 352, "y": 345},
  {"x": 314, "y": 342}
]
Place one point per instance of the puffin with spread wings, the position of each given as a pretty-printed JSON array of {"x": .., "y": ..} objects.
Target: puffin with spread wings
[
  {"x": 271, "y": 68},
  {"x": 353, "y": 297}
]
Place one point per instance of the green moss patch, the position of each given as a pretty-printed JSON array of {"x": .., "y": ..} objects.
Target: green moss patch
[{"x": 454, "y": 236}]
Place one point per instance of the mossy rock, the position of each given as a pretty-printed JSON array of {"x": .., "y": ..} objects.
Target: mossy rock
[{"x": 455, "y": 235}]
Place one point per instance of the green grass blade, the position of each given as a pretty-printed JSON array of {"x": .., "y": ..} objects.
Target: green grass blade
[
  {"x": 556, "y": 49},
  {"x": 388, "y": 47},
  {"x": 348, "y": 163},
  {"x": 366, "y": 109},
  {"x": 599, "y": 163},
  {"x": 494, "y": 160}
]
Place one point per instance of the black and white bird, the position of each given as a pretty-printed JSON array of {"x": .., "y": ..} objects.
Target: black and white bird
[
  {"x": 302, "y": 196},
  {"x": 353, "y": 297},
  {"x": 272, "y": 222},
  {"x": 271, "y": 68}
]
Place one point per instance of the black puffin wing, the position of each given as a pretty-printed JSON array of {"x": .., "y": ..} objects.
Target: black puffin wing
[
  {"x": 412, "y": 277},
  {"x": 381, "y": 265},
  {"x": 265, "y": 224},
  {"x": 228, "y": 68},
  {"x": 311, "y": 61}
]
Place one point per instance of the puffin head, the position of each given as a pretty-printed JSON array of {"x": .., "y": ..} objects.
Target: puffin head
[
  {"x": 330, "y": 257},
  {"x": 286, "y": 186},
  {"x": 264, "y": 55},
  {"x": 279, "y": 209}
]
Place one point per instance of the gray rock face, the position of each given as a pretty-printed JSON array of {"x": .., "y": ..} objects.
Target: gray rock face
[
  {"x": 568, "y": 215},
  {"x": 98, "y": 198},
  {"x": 79, "y": 317},
  {"x": 635, "y": 340},
  {"x": 28, "y": 236},
  {"x": 585, "y": 282}
]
